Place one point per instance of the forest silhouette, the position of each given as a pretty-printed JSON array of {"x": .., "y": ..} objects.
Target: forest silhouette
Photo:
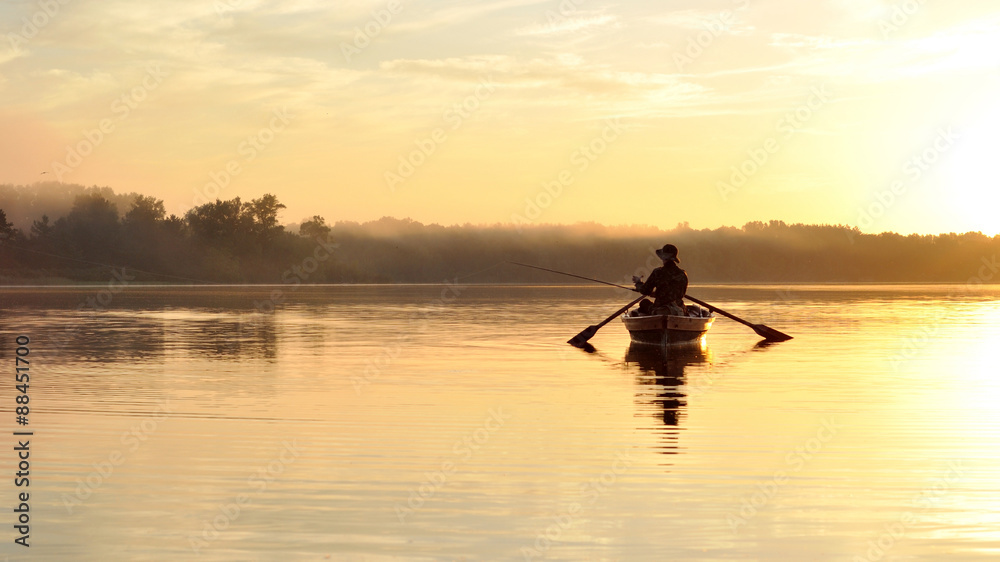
[{"x": 58, "y": 232}]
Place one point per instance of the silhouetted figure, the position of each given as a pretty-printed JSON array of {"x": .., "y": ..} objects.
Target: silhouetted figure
[{"x": 666, "y": 284}]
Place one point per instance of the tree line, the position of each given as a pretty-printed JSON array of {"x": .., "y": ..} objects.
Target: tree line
[{"x": 237, "y": 241}]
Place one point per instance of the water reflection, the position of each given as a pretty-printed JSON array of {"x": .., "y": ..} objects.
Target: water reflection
[
  {"x": 241, "y": 385},
  {"x": 661, "y": 374},
  {"x": 144, "y": 323},
  {"x": 255, "y": 337},
  {"x": 144, "y": 336}
]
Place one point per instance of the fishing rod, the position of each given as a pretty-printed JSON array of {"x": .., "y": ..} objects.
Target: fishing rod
[
  {"x": 763, "y": 331},
  {"x": 573, "y": 275}
]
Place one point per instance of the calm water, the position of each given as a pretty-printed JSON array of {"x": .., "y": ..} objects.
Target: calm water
[{"x": 377, "y": 423}]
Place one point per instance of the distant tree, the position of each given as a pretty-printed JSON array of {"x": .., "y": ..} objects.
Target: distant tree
[
  {"x": 6, "y": 228},
  {"x": 144, "y": 242},
  {"x": 42, "y": 229},
  {"x": 220, "y": 221},
  {"x": 174, "y": 225},
  {"x": 92, "y": 226},
  {"x": 242, "y": 242},
  {"x": 243, "y": 229},
  {"x": 262, "y": 216},
  {"x": 26, "y": 203},
  {"x": 145, "y": 210},
  {"x": 93, "y": 208},
  {"x": 315, "y": 227}
]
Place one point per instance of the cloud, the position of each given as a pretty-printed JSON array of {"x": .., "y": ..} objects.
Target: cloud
[
  {"x": 796, "y": 42},
  {"x": 450, "y": 17},
  {"x": 567, "y": 84},
  {"x": 568, "y": 25},
  {"x": 9, "y": 55},
  {"x": 970, "y": 46},
  {"x": 560, "y": 71},
  {"x": 724, "y": 21}
]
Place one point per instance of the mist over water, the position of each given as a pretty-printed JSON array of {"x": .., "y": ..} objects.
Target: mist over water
[{"x": 370, "y": 422}]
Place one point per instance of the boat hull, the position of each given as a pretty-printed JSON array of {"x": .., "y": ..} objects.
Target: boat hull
[{"x": 666, "y": 330}]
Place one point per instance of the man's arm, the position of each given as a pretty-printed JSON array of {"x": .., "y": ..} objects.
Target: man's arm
[{"x": 649, "y": 286}]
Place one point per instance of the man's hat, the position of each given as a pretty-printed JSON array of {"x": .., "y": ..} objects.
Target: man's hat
[{"x": 668, "y": 252}]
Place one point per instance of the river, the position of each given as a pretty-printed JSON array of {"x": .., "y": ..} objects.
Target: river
[{"x": 454, "y": 423}]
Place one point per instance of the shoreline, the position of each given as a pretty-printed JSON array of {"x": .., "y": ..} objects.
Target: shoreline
[{"x": 705, "y": 285}]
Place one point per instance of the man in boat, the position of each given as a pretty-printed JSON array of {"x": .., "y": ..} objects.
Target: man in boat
[{"x": 666, "y": 284}]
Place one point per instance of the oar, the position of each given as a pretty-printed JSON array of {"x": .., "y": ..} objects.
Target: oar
[
  {"x": 770, "y": 334},
  {"x": 580, "y": 340}
]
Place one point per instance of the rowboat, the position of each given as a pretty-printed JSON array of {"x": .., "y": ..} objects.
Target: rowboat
[{"x": 666, "y": 330}]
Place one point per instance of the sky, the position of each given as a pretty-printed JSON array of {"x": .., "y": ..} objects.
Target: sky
[{"x": 868, "y": 113}]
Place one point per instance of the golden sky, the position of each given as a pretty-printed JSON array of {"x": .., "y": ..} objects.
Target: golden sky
[{"x": 878, "y": 114}]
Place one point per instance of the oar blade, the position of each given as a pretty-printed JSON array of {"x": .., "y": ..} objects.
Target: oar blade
[
  {"x": 580, "y": 340},
  {"x": 770, "y": 334}
]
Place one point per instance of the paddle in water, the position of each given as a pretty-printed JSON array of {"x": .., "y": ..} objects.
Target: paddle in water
[
  {"x": 580, "y": 340},
  {"x": 768, "y": 333}
]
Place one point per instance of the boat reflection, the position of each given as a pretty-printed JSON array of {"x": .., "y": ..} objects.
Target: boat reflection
[{"x": 660, "y": 372}]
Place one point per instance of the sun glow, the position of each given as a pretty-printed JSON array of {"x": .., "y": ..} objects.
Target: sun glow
[
  {"x": 695, "y": 96},
  {"x": 972, "y": 176}
]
